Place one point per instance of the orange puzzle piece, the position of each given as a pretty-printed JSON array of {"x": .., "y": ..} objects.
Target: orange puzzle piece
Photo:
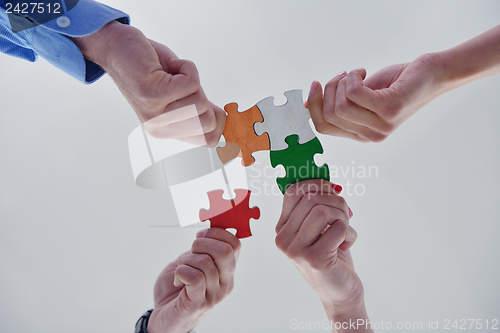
[{"x": 239, "y": 131}]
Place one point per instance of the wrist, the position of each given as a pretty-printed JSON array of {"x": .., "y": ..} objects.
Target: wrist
[
  {"x": 448, "y": 72},
  {"x": 97, "y": 46},
  {"x": 441, "y": 79},
  {"x": 352, "y": 319}
]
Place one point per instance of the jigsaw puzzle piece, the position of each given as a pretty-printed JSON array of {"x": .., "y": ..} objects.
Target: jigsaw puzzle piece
[
  {"x": 282, "y": 121},
  {"x": 239, "y": 130},
  {"x": 298, "y": 160},
  {"x": 230, "y": 213},
  {"x": 189, "y": 197},
  {"x": 229, "y": 152}
]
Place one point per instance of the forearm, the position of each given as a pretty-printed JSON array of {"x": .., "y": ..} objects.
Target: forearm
[
  {"x": 475, "y": 59},
  {"x": 350, "y": 320},
  {"x": 96, "y": 46}
]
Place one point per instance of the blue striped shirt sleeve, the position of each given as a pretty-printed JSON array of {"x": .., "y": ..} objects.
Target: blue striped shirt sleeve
[{"x": 49, "y": 40}]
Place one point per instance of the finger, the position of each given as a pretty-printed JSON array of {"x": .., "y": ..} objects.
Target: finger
[
  {"x": 223, "y": 236},
  {"x": 196, "y": 126},
  {"x": 184, "y": 81},
  {"x": 360, "y": 94},
  {"x": 194, "y": 281},
  {"x": 341, "y": 107},
  {"x": 332, "y": 98},
  {"x": 350, "y": 239},
  {"x": 330, "y": 241},
  {"x": 311, "y": 206},
  {"x": 357, "y": 114},
  {"x": 199, "y": 99},
  {"x": 294, "y": 194},
  {"x": 223, "y": 257},
  {"x": 319, "y": 217},
  {"x": 165, "y": 54},
  {"x": 204, "y": 263},
  {"x": 187, "y": 108},
  {"x": 213, "y": 138},
  {"x": 315, "y": 106}
]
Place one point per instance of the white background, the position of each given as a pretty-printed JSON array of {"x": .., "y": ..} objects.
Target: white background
[{"x": 77, "y": 250}]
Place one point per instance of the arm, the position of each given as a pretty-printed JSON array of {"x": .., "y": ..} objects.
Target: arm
[
  {"x": 190, "y": 287},
  {"x": 155, "y": 83},
  {"x": 314, "y": 233},
  {"x": 49, "y": 40},
  {"x": 373, "y": 108},
  {"x": 149, "y": 74}
]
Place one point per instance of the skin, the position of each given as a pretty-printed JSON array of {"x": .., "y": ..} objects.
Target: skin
[
  {"x": 156, "y": 83},
  {"x": 370, "y": 109},
  {"x": 314, "y": 233},
  {"x": 190, "y": 287}
]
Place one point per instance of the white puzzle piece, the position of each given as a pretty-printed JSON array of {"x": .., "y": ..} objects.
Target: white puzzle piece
[{"x": 285, "y": 120}]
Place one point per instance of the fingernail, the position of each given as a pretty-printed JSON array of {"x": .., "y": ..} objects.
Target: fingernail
[
  {"x": 343, "y": 73},
  {"x": 337, "y": 188},
  {"x": 350, "y": 212},
  {"x": 201, "y": 233},
  {"x": 314, "y": 87}
]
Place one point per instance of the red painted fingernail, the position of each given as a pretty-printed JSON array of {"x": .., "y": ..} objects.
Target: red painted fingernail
[
  {"x": 337, "y": 188},
  {"x": 350, "y": 212}
]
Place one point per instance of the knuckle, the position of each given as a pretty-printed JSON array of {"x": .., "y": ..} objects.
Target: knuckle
[
  {"x": 206, "y": 260},
  {"x": 320, "y": 211},
  {"x": 236, "y": 246},
  {"x": 280, "y": 242},
  {"x": 212, "y": 139},
  {"x": 391, "y": 112},
  {"x": 226, "y": 250},
  {"x": 352, "y": 91},
  {"x": 329, "y": 116},
  {"x": 341, "y": 109},
  {"x": 377, "y": 137},
  {"x": 197, "y": 276},
  {"x": 354, "y": 234},
  {"x": 197, "y": 243},
  {"x": 316, "y": 197},
  {"x": 387, "y": 128},
  {"x": 210, "y": 123},
  {"x": 341, "y": 226},
  {"x": 332, "y": 84},
  {"x": 341, "y": 201},
  {"x": 321, "y": 127}
]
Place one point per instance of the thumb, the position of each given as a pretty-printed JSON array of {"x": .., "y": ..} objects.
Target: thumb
[{"x": 315, "y": 103}]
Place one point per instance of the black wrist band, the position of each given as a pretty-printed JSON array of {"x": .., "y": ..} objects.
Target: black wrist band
[{"x": 142, "y": 324}]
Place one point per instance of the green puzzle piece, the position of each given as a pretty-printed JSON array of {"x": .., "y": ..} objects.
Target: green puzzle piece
[{"x": 298, "y": 160}]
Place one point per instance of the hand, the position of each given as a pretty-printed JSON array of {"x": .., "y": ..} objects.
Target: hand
[
  {"x": 155, "y": 83},
  {"x": 190, "y": 287},
  {"x": 314, "y": 233},
  {"x": 372, "y": 109}
]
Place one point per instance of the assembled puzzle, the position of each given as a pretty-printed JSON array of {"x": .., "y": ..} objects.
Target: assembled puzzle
[{"x": 200, "y": 176}]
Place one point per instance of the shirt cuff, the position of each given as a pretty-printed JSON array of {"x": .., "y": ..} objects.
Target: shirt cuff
[{"x": 87, "y": 17}]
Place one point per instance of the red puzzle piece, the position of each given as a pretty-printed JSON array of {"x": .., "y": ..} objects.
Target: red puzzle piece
[{"x": 230, "y": 213}]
